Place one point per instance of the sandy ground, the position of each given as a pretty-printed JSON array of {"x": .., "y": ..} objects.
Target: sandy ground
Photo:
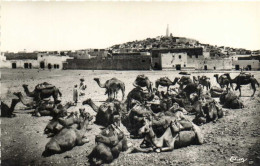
[{"x": 22, "y": 139}]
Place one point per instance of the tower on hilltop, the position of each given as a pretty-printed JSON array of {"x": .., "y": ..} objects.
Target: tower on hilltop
[{"x": 167, "y": 31}]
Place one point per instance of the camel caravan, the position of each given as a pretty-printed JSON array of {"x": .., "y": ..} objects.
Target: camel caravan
[{"x": 164, "y": 120}]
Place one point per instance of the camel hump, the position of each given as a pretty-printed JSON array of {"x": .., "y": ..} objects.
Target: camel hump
[
  {"x": 143, "y": 77},
  {"x": 245, "y": 75},
  {"x": 44, "y": 85}
]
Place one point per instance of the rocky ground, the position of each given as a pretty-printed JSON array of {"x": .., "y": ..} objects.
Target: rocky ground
[{"x": 236, "y": 135}]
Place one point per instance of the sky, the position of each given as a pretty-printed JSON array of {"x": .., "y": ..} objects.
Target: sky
[{"x": 49, "y": 26}]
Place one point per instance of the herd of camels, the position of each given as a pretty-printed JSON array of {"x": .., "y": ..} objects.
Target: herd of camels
[
  {"x": 163, "y": 125},
  {"x": 113, "y": 85}
]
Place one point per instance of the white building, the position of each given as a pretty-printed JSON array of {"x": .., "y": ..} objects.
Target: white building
[
  {"x": 173, "y": 60},
  {"x": 43, "y": 60},
  {"x": 51, "y": 61}
]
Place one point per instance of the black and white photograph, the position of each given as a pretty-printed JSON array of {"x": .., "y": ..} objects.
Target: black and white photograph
[{"x": 130, "y": 83}]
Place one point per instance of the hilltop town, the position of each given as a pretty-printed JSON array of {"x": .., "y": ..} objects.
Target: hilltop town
[{"x": 162, "y": 52}]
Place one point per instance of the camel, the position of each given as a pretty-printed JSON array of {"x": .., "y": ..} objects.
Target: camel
[
  {"x": 52, "y": 109},
  {"x": 110, "y": 142},
  {"x": 244, "y": 79},
  {"x": 204, "y": 81},
  {"x": 67, "y": 138},
  {"x": 42, "y": 91},
  {"x": 105, "y": 112},
  {"x": 135, "y": 118},
  {"x": 138, "y": 94},
  {"x": 223, "y": 81},
  {"x": 8, "y": 111},
  {"x": 208, "y": 111},
  {"x": 230, "y": 100},
  {"x": 184, "y": 80},
  {"x": 166, "y": 82},
  {"x": 170, "y": 139},
  {"x": 112, "y": 87},
  {"x": 28, "y": 102},
  {"x": 56, "y": 124},
  {"x": 192, "y": 88},
  {"x": 143, "y": 81},
  {"x": 216, "y": 91}
]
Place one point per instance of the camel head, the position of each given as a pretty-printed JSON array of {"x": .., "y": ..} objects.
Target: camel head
[
  {"x": 96, "y": 79},
  {"x": 146, "y": 128},
  {"x": 215, "y": 75},
  {"x": 88, "y": 101},
  {"x": 25, "y": 85},
  {"x": 70, "y": 103},
  {"x": 18, "y": 94}
]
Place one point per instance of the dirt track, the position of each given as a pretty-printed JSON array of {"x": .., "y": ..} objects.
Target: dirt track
[{"x": 22, "y": 139}]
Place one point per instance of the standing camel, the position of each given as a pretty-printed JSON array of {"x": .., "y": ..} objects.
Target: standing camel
[
  {"x": 223, "y": 80},
  {"x": 244, "y": 79},
  {"x": 143, "y": 81},
  {"x": 112, "y": 87},
  {"x": 41, "y": 91},
  {"x": 204, "y": 81},
  {"x": 166, "y": 82}
]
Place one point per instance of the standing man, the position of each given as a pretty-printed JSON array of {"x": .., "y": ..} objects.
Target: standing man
[{"x": 82, "y": 87}]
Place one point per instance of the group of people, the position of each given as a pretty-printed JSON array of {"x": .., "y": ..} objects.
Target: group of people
[{"x": 79, "y": 91}]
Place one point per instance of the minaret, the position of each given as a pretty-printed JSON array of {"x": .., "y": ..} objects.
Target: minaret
[{"x": 167, "y": 31}]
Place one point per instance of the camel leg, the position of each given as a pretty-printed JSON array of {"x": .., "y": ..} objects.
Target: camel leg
[
  {"x": 239, "y": 88},
  {"x": 169, "y": 148},
  {"x": 82, "y": 141},
  {"x": 198, "y": 133},
  {"x": 136, "y": 150},
  {"x": 254, "y": 88}
]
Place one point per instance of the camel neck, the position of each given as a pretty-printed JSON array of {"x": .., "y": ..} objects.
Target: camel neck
[
  {"x": 93, "y": 106},
  {"x": 22, "y": 99},
  {"x": 84, "y": 128},
  {"x": 99, "y": 84},
  {"x": 13, "y": 104}
]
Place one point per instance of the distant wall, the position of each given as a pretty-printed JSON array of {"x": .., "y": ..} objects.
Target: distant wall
[
  {"x": 213, "y": 64},
  {"x": 255, "y": 65},
  {"x": 143, "y": 63}
]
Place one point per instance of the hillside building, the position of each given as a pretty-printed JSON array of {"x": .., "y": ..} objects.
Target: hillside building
[{"x": 41, "y": 60}]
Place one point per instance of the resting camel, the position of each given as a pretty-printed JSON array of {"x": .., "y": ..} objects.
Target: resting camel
[
  {"x": 208, "y": 111},
  {"x": 230, "y": 100},
  {"x": 223, "y": 80},
  {"x": 138, "y": 94},
  {"x": 184, "y": 80},
  {"x": 67, "y": 138},
  {"x": 166, "y": 82},
  {"x": 143, "y": 81},
  {"x": 105, "y": 112},
  {"x": 192, "y": 88},
  {"x": 8, "y": 111},
  {"x": 112, "y": 87},
  {"x": 216, "y": 91},
  {"x": 170, "y": 138},
  {"x": 56, "y": 124},
  {"x": 42, "y": 91},
  {"x": 243, "y": 79},
  {"x": 51, "y": 109},
  {"x": 110, "y": 142},
  {"x": 28, "y": 102},
  {"x": 135, "y": 118}
]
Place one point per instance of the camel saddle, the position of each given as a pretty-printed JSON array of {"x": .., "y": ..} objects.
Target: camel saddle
[
  {"x": 243, "y": 75},
  {"x": 44, "y": 85}
]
